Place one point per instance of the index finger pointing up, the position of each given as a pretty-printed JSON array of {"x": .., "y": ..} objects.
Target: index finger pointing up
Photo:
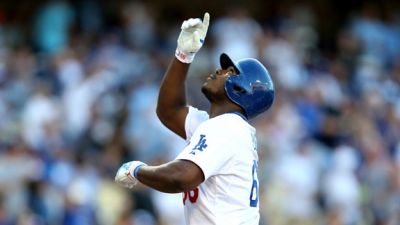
[{"x": 206, "y": 19}]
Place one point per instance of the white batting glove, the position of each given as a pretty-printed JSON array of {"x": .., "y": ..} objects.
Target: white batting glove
[
  {"x": 191, "y": 38},
  {"x": 127, "y": 173}
]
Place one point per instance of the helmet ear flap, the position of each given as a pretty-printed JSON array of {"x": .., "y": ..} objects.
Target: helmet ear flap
[{"x": 236, "y": 91}]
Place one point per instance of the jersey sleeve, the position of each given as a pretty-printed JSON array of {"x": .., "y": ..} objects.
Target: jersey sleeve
[
  {"x": 193, "y": 119},
  {"x": 210, "y": 149}
]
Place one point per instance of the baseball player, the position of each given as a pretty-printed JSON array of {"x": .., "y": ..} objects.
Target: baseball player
[{"x": 217, "y": 170}]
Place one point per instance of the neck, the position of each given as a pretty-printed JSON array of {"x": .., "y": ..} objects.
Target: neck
[{"x": 216, "y": 110}]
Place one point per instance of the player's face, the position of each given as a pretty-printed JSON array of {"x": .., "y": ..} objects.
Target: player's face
[{"x": 214, "y": 87}]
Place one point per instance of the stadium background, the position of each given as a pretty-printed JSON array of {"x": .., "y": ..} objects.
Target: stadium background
[{"x": 78, "y": 88}]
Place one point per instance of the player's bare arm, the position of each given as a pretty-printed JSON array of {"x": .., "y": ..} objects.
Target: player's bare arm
[
  {"x": 171, "y": 107},
  {"x": 173, "y": 177}
]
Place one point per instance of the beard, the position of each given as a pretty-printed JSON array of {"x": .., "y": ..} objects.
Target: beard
[
  {"x": 212, "y": 94},
  {"x": 206, "y": 92}
]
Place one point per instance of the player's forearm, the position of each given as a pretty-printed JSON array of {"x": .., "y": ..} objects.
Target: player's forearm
[
  {"x": 171, "y": 177},
  {"x": 172, "y": 94}
]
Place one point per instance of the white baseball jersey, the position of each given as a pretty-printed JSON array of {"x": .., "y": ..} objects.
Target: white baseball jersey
[{"x": 225, "y": 149}]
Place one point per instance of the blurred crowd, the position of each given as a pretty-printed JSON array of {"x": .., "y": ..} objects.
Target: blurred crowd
[{"x": 78, "y": 96}]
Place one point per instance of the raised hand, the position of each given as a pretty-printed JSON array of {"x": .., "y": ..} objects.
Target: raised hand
[{"x": 191, "y": 38}]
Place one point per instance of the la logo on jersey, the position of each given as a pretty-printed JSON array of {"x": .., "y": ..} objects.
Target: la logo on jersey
[{"x": 201, "y": 145}]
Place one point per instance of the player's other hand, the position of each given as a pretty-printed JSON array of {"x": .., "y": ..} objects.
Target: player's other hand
[
  {"x": 191, "y": 38},
  {"x": 127, "y": 173}
]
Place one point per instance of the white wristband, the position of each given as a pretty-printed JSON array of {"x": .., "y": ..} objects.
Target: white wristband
[{"x": 183, "y": 57}]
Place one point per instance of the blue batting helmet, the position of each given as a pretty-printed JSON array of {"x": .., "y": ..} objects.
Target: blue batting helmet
[{"x": 252, "y": 89}]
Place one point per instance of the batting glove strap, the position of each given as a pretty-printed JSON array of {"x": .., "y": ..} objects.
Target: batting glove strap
[
  {"x": 184, "y": 57},
  {"x": 136, "y": 170}
]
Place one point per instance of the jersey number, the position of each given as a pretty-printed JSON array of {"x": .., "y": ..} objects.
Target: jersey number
[
  {"x": 254, "y": 187},
  {"x": 193, "y": 195}
]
